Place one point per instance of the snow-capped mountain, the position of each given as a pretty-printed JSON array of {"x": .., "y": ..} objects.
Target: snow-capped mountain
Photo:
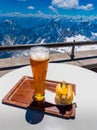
[{"x": 30, "y": 30}]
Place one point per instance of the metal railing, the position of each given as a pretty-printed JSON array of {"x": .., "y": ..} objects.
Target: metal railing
[{"x": 49, "y": 45}]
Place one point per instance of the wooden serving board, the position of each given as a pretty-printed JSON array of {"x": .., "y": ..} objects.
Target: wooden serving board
[{"x": 21, "y": 96}]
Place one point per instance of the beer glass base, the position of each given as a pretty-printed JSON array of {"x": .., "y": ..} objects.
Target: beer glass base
[{"x": 38, "y": 98}]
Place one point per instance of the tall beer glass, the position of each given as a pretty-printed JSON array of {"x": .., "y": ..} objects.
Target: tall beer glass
[{"x": 39, "y": 58}]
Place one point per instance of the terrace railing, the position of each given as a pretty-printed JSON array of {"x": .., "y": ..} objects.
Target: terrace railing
[{"x": 49, "y": 45}]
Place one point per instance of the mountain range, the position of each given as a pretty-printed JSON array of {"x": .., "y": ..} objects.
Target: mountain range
[{"x": 30, "y": 30}]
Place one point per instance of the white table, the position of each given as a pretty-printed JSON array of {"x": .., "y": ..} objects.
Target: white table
[{"x": 12, "y": 118}]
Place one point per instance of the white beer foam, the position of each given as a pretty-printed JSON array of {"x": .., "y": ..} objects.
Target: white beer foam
[{"x": 39, "y": 56}]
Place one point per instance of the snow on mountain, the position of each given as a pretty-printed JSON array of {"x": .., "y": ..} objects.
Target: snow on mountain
[{"x": 78, "y": 37}]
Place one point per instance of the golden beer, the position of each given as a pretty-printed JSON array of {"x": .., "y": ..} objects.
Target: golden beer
[{"x": 39, "y": 57}]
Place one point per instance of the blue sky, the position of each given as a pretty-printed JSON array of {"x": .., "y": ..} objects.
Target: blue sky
[{"x": 52, "y": 7}]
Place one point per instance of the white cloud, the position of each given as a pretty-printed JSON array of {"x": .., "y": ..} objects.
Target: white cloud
[
  {"x": 39, "y": 12},
  {"x": 13, "y": 14},
  {"x": 87, "y": 7},
  {"x": 53, "y": 9},
  {"x": 17, "y": 13},
  {"x": 67, "y": 4},
  {"x": 31, "y": 7}
]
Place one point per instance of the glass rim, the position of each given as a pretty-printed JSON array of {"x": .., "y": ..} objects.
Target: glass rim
[{"x": 36, "y": 48}]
